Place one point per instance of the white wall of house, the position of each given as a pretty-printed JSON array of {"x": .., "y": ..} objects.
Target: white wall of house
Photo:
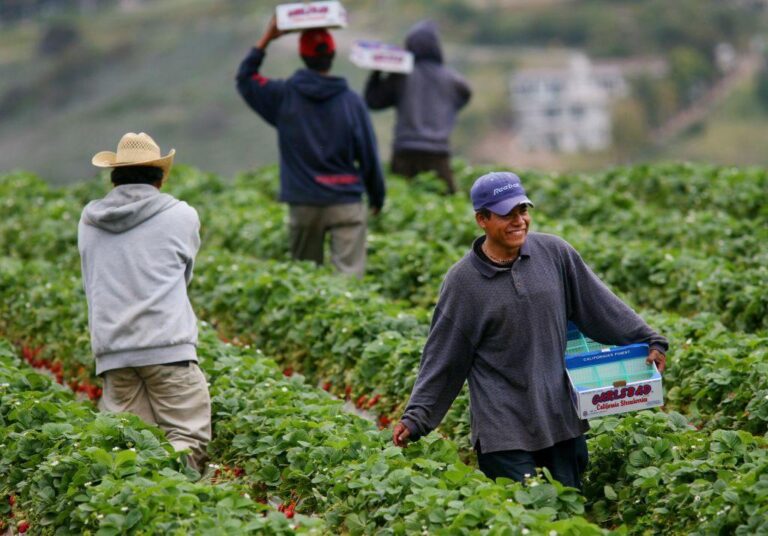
[{"x": 566, "y": 110}]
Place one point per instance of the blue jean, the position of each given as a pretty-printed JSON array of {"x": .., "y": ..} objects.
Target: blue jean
[{"x": 566, "y": 460}]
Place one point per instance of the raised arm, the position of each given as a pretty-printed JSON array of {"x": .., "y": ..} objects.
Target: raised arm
[
  {"x": 382, "y": 92},
  {"x": 260, "y": 93}
]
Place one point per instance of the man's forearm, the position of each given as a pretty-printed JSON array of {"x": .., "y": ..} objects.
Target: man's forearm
[{"x": 263, "y": 42}]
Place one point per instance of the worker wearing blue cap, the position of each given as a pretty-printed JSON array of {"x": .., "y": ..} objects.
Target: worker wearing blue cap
[{"x": 501, "y": 324}]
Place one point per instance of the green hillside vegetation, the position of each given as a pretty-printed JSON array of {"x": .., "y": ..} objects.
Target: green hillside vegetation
[
  {"x": 740, "y": 120},
  {"x": 68, "y": 82}
]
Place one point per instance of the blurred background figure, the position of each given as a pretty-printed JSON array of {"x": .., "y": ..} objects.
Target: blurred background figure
[
  {"x": 427, "y": 102},
  {"x": 328, "y": 153}
]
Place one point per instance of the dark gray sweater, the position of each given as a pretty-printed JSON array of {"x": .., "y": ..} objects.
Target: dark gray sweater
[
  {"x": 504, "y": 329},
  {"x": 427, "y": 100}
]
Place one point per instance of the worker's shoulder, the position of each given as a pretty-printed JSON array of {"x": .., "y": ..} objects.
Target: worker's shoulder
[
  {"x": 461, "y": 272},
  {"x": 548, "y": 241},
  {"x": 183, "y": 211},
  {"x": 354, "y": 96}
]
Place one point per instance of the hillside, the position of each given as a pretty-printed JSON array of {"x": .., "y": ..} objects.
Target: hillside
[{"x": 168, "y": 67}]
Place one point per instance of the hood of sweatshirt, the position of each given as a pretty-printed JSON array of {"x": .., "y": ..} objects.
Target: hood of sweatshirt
[
  {"x": 316, "y": 86},
  {"x": 423, "y": 41},
  {"x": 127, "y": 206}
]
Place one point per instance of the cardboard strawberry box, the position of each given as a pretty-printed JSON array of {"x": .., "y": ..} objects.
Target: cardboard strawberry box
[
  {"x": 305, "y": 15},
  {"x": 615, "y": 380},
  {"x": 378, "y": 56},
  {"x": 608, "y": 380}
]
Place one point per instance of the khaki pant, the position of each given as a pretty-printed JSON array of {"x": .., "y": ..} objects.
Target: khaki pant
[
  {"x": 175, "y": 398},
  {"x": 346, "y": 224}
]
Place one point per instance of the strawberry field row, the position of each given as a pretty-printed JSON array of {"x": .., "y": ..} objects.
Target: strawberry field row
[
  {"x": 66, "y": 468},
  {"x": 696, "y": 256},
  {"x": 253, "y": 433},
  {"x": 348, "y": 337},
  {"x": 287, "y": 437},
  {"x": 713, "y": 388},
  {"x": 97, "y": 472},
  {"x": 356, "y": 355}
]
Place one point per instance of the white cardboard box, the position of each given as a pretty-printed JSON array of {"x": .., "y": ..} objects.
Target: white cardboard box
[
  {"x": 610, "y": 381},
  {"x": 379, "y": 56},
  {"x": 305, "y": 15}
]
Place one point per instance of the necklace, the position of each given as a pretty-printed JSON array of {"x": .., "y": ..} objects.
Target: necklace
[{"x": 494, "y": 259}]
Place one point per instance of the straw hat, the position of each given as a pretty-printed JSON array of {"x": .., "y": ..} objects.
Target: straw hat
[{"x": 135, "y": 150}]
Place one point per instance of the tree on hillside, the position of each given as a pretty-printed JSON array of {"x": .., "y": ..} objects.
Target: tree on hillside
[
  {"x": 690, "y": 71},
  {"x": 630, "y": 128}
]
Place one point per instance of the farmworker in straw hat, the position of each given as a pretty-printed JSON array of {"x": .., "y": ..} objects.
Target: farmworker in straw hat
[
  {"x": 328, "y": 154},
  {"x": 501, "y": 323},
  {"x": 137, "y": 249}
]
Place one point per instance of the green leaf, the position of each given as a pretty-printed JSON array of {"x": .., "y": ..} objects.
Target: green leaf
[{"x": 270, "y": 475}]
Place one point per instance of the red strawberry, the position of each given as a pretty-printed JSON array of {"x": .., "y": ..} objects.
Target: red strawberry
[
  {"x": 23, "y": 527},
  {"x": 327, "y": 386},
  {"x": 372, "y": 402}
]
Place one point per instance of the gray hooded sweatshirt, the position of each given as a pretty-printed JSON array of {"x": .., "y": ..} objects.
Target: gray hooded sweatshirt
[
  {"x": 427, "y": 100},
  {"x": 137, "y": 249}
]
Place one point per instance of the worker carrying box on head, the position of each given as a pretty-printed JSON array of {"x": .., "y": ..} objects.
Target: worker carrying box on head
[
  {"x": 378, "y": 56},
  {"x": 302, "y": 16}
]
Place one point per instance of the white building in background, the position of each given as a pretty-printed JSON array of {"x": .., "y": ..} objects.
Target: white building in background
[{"x": 566, "y": 110}]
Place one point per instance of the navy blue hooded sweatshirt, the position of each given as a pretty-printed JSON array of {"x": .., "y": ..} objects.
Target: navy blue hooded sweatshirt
[
  {"x": 328, "y": 152},
  {"x": 427, "y": 100}
]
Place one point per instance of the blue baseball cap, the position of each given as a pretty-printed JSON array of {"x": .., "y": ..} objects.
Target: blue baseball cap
[{"x": 499, "y": 192}]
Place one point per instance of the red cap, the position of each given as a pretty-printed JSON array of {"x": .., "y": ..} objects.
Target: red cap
[{"x": 316, "y": 42}]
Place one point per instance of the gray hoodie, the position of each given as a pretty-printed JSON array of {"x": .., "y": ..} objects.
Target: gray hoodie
[
  {"x": 137, "y": 249},
  {"x": 427, "y": 99}
]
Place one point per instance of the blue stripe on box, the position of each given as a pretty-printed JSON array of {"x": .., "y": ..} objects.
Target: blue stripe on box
[{"x": 601, "y": 357}]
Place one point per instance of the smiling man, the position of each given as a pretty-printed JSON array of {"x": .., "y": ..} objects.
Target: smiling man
[{"x": 501, "y": 324}]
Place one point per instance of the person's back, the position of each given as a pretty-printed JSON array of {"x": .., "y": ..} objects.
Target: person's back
[
  {"x": 137, "y": 249},
  {"x": 427, "y": 101},
  {"x": 432, "y": 96},
  {"x": 328, "y": 155},
  {"x": 319, "y": 140},
  {"x": 137, "y": 246}
]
